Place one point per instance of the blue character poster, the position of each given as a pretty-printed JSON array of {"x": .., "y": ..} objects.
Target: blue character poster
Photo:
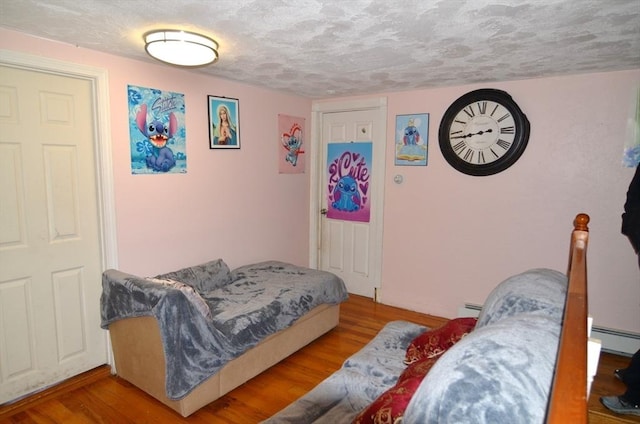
[
  {"x": 348, "y": 175},
  {"x": 412, "y": 136},
  {"x": 291, "y": 131},
  {"x": 156, "y": 131},
  {"x": 631, "y": 156}
]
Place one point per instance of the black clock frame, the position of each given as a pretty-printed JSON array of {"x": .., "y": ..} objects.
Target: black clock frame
[{"x": 522, "y": 130}]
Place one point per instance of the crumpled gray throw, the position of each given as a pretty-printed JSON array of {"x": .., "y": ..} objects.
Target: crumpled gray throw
[{"x": 502, "y": 371}]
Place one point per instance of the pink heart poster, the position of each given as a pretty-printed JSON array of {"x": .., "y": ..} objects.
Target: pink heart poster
[{"x": 348, "y": 174}]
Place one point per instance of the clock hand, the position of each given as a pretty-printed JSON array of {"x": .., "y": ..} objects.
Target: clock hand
[{"x": 472, "y": 134}]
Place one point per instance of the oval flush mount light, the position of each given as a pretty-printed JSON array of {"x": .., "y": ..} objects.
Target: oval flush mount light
[{"x": 181, "y": 48}]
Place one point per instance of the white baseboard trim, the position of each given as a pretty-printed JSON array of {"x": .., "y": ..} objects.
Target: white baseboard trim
[
  {"x": 615, "y": 341},
  {"x": 469, "y": 310}
]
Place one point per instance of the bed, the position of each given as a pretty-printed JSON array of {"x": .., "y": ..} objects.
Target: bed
[{"x": 192, "y": 335}]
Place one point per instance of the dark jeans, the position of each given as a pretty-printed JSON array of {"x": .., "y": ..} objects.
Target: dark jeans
[{"x": 631, "y": 377}]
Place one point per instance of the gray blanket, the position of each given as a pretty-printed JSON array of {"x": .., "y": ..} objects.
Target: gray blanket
[
  {"x": 502, "y": 371},
  {"x": 251, "y": 303},
  {"x": 362, "y": 378}
]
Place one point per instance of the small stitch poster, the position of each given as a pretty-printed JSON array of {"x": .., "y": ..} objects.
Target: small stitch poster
[
  {"x": 348, "y": 174},
  {"x": 157, "y": 134},
  {"x": 291, "y": 141},
  {"x": 412, "y": 139},
  {"x": 631, "y": 156}
]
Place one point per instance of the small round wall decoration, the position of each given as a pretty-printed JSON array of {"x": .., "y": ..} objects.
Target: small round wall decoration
[{"x": 483, "y": 132}]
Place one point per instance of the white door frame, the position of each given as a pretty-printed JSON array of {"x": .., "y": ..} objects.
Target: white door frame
[
  {"x": 98, "y": 78},
  {"x": 318, "y": 109}
]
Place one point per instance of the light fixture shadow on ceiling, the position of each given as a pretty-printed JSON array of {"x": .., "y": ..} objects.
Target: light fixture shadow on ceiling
[{"x": 181, "y": 48}]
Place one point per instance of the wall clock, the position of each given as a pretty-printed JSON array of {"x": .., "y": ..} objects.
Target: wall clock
[{"x": 483, "y": 132}]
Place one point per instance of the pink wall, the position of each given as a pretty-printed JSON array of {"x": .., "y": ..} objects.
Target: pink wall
[
  {"x": 231, "y": 204},
  {"x": 448, "y": 238}
]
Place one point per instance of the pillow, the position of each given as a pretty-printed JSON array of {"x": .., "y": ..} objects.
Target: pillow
[
  {"x": 389, "y": 407},
  {"x": 204, "y": 277},
  {"x": 537, "y": 291},
  {"x": 433, "y": 343}
]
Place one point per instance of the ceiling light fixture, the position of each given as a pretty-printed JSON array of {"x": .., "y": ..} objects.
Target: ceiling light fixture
[{"x": 181, "y": 48}]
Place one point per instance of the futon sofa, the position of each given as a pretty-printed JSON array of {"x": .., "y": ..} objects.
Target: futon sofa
[{"x": 498, "y": 369}]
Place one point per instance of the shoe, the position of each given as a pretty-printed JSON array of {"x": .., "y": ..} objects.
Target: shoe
[
  {"x": 620, "y": 406},
  {"x": 619, "y": 374}
]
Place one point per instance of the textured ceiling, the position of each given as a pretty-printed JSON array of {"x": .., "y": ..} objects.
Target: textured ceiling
[{"x": 327, "y": 48}]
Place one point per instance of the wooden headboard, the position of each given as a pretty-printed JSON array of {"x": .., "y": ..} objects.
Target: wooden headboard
[{"x": 568, "y": 401}]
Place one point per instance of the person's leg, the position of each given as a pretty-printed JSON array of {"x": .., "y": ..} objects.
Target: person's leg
[
  {"x": 634, "y": 367},
  {"x": 632, "y": 380},
  {"x": 629, "y": 402}
]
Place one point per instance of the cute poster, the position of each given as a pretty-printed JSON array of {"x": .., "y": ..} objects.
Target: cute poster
[
  {"x": 291, "y": 144},
  {"x": 157, "y": 135},
  {"x": 348, "y": 175}
]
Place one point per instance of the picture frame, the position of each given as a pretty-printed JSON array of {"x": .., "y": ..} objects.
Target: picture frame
[
  {"x": 411, "y": 144},
  {"x": 157, "y": 131},
  {"x": 224, "y": 122},
  {"x": 291, "y": 145}
]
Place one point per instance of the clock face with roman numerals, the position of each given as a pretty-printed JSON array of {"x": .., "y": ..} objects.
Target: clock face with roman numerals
[{"x": 483, "y": 132}]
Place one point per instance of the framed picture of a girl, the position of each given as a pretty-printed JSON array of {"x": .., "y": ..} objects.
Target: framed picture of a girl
[{"x": 224, "y": 128}]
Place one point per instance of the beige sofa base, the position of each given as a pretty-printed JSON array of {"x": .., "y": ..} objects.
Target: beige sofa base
[{"x": 139, "y": 356}]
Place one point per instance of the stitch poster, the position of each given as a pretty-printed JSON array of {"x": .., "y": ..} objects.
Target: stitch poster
[
  {"x": 412, "y": 139},
  {"x": 631, "y": 156},
  {"x": 348, "y": 178},
  {"x": 291, "y": 141},
  {"x": 157, "y": 135}
]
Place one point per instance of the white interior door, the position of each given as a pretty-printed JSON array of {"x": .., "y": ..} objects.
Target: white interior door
[
  {"x": 50, "y": 254},
  {"x": 353, "y": 249}
]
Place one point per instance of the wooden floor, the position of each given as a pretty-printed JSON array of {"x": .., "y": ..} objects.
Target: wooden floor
[{"x": 99, "y": 397}]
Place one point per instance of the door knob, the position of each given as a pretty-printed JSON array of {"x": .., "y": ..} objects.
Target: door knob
[{"x": 323, "y": 211}]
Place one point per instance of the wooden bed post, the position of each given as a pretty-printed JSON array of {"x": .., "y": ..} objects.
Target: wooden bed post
[{"x": 568, "y": 400}]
